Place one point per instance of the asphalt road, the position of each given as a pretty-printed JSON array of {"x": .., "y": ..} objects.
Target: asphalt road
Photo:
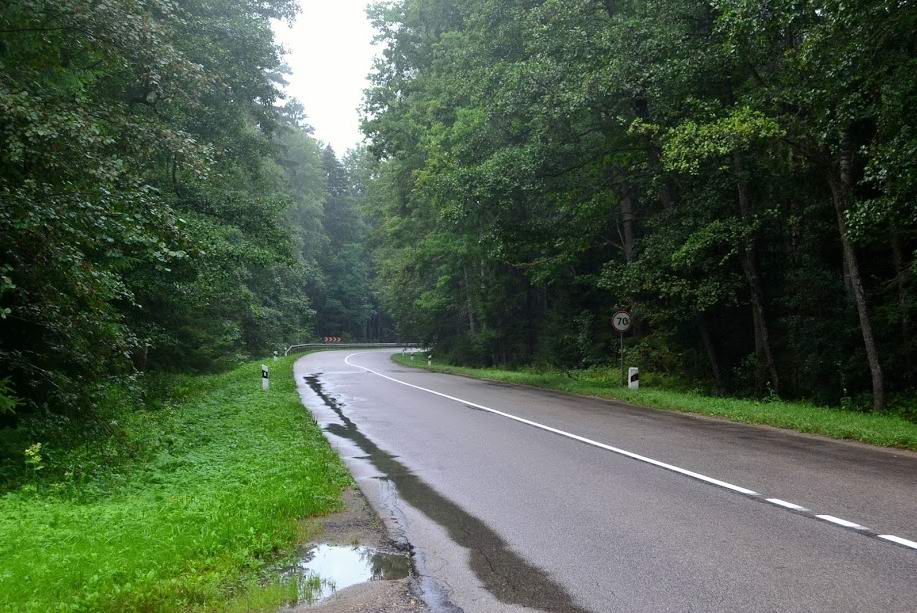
[{"x": 516, "y": 498}]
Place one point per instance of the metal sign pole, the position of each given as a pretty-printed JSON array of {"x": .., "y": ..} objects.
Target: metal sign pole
[
  {"x": 623, "y": 376},
  {"x": 621, "y": 321}
]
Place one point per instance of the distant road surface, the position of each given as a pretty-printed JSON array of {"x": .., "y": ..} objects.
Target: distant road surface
[{"x": 515, "y": 498}]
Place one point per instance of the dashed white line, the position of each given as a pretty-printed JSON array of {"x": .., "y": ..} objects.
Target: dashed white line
[
  {"x": 676, "y": 469},
  {"x": 899, "y": 540},
  {"x": 785, "y": 504},
  {"x": 841, "y": 522}
]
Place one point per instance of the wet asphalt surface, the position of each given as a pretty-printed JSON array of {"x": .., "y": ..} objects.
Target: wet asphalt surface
[{"x": 503, "y": 516}]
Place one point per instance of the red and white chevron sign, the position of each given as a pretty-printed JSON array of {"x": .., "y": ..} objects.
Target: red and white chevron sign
[{"x": 332, "y": 339}]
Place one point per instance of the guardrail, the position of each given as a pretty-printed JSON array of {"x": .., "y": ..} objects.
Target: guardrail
[{"x": 351, "y": 346}]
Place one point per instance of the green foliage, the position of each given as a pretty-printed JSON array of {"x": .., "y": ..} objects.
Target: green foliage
[
  {"x": 8, "y": 402},
  {"x": 161, "y": 210},
  {"x": 33, "y": 457},
  {"x": 689, "y": 143},
  {"x": 193, "y": 519},
  {"x": 344, "y": 305},
  {"x": 731, "y": 172}
]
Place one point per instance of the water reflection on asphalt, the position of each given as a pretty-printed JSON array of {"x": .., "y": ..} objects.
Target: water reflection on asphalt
[
  {"x": 335, "y": 567},
  {"x": 501, "y": 571}
]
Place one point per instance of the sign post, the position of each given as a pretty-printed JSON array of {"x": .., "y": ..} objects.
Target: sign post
[
  {"x": 621, "y": 321},
  {"x": 265, "y": 378}
]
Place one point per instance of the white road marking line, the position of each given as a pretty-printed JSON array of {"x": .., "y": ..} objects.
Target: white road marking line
[
  {"x": 841, "y": 522},
  {"x": 576, "y": 437},
  {"x": 776, "y": 501},
  {"x": 899, "y": 540},
  {"x": 784, "y": 503}
]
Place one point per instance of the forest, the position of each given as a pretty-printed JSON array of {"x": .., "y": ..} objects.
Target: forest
[
  {"x": 164, "y": 207},
  {"x": 738, "y": 174},
  {"x": 741, "y": 176}
]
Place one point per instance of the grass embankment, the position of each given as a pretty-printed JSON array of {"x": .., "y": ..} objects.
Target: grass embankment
[
  {"x": 883, "y": 429},
  {"x": 195, "y": 519}
]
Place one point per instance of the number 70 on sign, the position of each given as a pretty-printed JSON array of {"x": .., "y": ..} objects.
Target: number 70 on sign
[{"x": 621, "y": 321}]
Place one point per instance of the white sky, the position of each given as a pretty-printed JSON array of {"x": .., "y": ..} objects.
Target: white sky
[{"x": 330, "y": 53}]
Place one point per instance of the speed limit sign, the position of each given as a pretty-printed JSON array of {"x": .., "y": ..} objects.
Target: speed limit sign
[{"x": 621, "y": 321}]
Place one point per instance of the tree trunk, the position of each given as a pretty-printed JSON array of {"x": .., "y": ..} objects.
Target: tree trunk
[
  {"x": 664, "y": 190},
  {"x": 711, "y": 353},
  {"x": 468, "y": 304},
  {"x": 482, "y": 285},
  {"x": 848, "y": 285},
  {"x": 627, "y": 220},
  {"x": 841, "y": 190},
  {"x": 900, "y": 275},
  {"x": 530, "y": 299},
  {"x": 763, "y": 353}
]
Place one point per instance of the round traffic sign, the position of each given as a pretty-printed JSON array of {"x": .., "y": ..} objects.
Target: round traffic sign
[{"x": 621, "y": 321}]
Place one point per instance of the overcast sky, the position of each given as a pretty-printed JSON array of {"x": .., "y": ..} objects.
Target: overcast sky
[{"x": 330, "y": 53}]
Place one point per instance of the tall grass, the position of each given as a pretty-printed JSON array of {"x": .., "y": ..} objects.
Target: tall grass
[
  {"x": 192, "y": 523},
  {"x": 884, "y": 429}
]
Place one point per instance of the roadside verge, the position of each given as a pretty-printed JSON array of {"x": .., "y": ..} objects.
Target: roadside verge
[
  {"x": 193, "y": 505},
  {"x": 880, "y": 429}
]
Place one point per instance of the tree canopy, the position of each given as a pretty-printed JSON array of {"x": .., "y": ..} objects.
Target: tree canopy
[
  {"x": 739, "y": 174},
  {"x": 164, "y": 207}
]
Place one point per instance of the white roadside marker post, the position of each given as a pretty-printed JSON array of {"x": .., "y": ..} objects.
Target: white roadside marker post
[
  {"x": 275, "y": 356},
  {"x": 265, "y": 378},
  {"x": 633, "y": 378},
  {"x": 429, "y": 359}
]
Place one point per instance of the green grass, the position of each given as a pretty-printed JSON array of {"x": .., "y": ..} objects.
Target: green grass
[
  {"x": 196, "y": 519},
  {"x": 883, "y": 429}
]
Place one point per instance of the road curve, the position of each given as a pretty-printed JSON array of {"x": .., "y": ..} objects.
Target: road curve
[{"x": 515, "y": 498}]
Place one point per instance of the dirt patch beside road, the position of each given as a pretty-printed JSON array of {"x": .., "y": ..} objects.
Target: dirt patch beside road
[{"x": 358, "y": 527}]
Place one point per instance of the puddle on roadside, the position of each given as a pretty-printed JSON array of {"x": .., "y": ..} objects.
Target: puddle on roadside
[
  {"x": 326, "y": 569},
  {"x": 503, "y": 573}
]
